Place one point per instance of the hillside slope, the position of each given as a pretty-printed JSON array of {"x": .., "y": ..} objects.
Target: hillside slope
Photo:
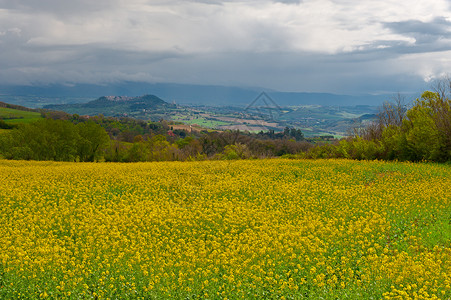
[{"x": 14, "y": 114}]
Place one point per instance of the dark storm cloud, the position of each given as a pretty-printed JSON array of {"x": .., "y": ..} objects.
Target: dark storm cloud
[
  {"x": 423, "y": 32},
  {"x": 289, "y": 1},
  {"x": 58, "y": 7},
  {"x": 302, "y": 72}
]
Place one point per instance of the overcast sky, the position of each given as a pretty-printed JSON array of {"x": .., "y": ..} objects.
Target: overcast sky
[{"x": 341, "y": 46}]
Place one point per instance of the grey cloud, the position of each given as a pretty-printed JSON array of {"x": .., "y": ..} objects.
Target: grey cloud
[
  {"x": 293, "y": 72},
  {"x": 58, "y": 7},
  {"x": 212, "y": 2},
  {"x": 220, "y": 2},
  {"x": 91, "y": 63},
  {"x": 421, "y": 31},
  {"x": 286, "y": 71},
  {"x": 288, "y": 1}
]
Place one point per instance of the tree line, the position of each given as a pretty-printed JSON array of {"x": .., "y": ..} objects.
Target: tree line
[{"x": 63, "y": 137}]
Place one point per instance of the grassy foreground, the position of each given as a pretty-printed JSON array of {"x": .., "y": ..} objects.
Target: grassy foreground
[{"x": 274, "y": 229}]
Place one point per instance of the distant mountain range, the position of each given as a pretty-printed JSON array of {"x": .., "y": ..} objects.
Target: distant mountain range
[
  {"x": 118, "y": 106},
  {"x": 189, "y": 94}
]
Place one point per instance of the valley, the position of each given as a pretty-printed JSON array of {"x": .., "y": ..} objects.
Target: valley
[{"x": 313, "y": 120}]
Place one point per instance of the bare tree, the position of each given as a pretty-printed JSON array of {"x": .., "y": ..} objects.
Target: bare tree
[
  {"x": 390, "y": 114},
  {"x": 441, "y": 109},
  {"x": 442, "y": 87}
]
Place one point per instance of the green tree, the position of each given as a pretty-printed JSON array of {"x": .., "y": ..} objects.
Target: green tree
[
  {"x": 428, "y": 128},
  {"x": 59, "y": 140},
  {"x": 46, "y": 139},
  {"x": 92, "y": 141},
  {"x": 139, "y": 151}
]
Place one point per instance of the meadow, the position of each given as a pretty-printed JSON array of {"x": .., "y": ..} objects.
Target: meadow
[
  {"x": 15, "y": 116},
  {"x": 249, "y": 229}
]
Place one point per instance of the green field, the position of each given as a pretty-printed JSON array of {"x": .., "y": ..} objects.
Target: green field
[
  {"x": 203, "y": 122},
  {"x": 15, "y": 116}
]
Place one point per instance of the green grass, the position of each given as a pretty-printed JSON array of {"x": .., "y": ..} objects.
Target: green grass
[
  {"x": 437, "y": 229},
  {"x": 14, "y": 116},
  {"x": 206, "y": 123}
]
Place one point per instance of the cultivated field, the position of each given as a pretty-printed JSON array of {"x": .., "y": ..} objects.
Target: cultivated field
[{"x": 277, "y": 229}]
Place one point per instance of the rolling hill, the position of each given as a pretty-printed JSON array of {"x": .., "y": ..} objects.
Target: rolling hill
[{"x": 119, "y": 106}]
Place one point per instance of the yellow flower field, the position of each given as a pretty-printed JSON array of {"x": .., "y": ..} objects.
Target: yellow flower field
[{"x": 277, "y": 229}]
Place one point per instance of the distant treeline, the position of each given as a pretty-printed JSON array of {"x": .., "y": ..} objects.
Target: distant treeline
[
  {"x": 64, "y": 137},
  {"x": 416, "y": 133}
]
